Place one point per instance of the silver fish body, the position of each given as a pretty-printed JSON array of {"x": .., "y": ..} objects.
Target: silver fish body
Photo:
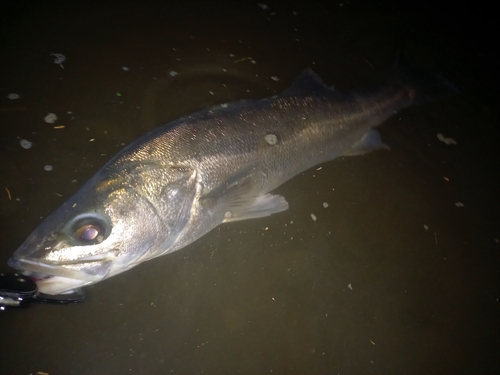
[{"x": 175, "y": 184}]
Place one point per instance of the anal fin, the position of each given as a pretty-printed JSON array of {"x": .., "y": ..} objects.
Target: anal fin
[{"x": 369, "y": 142}]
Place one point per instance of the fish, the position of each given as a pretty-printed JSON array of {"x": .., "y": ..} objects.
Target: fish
[{"x": 180, "y": 181}]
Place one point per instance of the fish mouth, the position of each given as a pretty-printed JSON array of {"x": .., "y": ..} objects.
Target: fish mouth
[{"x": 54, "y": 279}]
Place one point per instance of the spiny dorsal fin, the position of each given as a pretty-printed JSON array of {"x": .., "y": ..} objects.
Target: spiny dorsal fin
[{"x": 308, "y": 83}]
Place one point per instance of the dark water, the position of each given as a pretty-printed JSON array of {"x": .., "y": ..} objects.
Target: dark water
[{"x": 392, "y": 277}]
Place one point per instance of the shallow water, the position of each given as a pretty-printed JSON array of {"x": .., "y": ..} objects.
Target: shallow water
[{"x": 392, "y": 277}]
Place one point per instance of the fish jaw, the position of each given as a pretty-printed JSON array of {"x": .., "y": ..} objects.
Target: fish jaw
[
  {"x": 57, "y": 279},
  {"x": 59, "y": 285}
]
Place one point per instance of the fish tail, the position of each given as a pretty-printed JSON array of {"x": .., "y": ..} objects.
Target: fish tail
[{"x": 422, "y": 85}]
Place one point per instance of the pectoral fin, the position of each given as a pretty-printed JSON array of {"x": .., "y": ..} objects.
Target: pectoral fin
[
  {"x": 238, "y": 198},
  {"x": 262, "y": 206}
]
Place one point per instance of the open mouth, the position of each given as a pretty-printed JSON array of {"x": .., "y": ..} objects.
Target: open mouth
[
  {"x": 18, "y": 290},
  {"x": 53, "y": 279},
  {"x": 37, "y": 276}
]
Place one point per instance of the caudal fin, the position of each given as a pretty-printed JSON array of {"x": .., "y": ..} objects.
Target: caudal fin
[{"x": 422, "y": 85}]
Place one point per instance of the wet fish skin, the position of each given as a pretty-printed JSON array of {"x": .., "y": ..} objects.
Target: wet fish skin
[{"x": 178, "y": 182}]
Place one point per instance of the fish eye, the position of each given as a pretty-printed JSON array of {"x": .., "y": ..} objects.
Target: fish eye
[{"x": 89, "y": 230}]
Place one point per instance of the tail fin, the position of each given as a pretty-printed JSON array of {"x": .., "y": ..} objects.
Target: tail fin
[{"x": 422, "y": 85}]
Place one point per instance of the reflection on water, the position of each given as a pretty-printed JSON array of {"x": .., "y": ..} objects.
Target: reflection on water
[{"x": 391, "y": 277}]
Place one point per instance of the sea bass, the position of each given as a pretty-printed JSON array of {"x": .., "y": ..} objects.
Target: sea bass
[{"x": 180, "y": 181}]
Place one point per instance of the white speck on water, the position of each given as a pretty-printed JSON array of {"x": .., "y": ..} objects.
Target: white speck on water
[
  {"x": 228, "y": 214},
  {"x": 231, "y": 55},
  {"x": 224, "y": 105},
  {"x": 459, "y": 204},
  {"x": 313, "y": 216},
  {"x": 271, "y": 139},
  {"x": 211, "y": 92},
  {"x": 13, "y": 96},
  {"x": 48, "y": 167},
  {"x": 274, "y": 78},
  {"x": 263, "y": 6},
  {"x": 448, "y": 141},
  {"x": 25, "y": 144},
  {"x": 173, "y": 73},
  {"x": 349, "y": 286},
  {"x": 224, "y": 70},
  {"x": 426, "y": 227},
  {"x": 253, "y": 61},
  {"x": 50, "y": 118},
  {"x": 59, "y": 58},
  {"x": 125, "y": 68},
  {"x": 325, "y": 204}
]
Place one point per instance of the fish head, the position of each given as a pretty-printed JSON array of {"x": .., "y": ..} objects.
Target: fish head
[{"x": 106, "y": 228}]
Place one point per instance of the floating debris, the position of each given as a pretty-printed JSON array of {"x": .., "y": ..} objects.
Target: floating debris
[
  {"x": 13, "y": 96},
  {"x": 48, "y": 167},
  {"x": 211, "y": 92},
  {"x": 271, "y": 139},
  {"x": 313, "y": 216},
  {"x": 325, "y": 204},
  {"x": 173, "y": 73},
  {"x": 274, "y": 78},
  {"x": 59, "y": 58},
  {"x": 459, "y": 204},
  {"x": 263, "y": 6},
  {"x": 223, "y": 105},
  {"x": 426, "y": 227},
  {"x": 50, "y": 118},
  {"x": 25, "y": 144},
  {"x": 243, "y": 59},
  {"x": 349, "y": 286},
  {"x": 448, "y": 141},
  {"x": 125, "y": 68},
  {"x": 12, "y": 109}
]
